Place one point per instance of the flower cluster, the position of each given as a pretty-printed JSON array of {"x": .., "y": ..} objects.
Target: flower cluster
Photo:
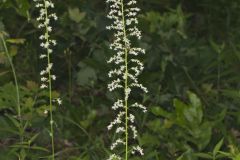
[
  {"x": 44, "y": 19},
  {"x": 124, "y": 13}
]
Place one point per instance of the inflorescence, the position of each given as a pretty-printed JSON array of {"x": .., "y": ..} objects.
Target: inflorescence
[
  {"x": 44, "y": 20},
  {"x": 46, "y": 16},
  {"x": 124, "y": 13},
  {"x": 47, "y": 43}
]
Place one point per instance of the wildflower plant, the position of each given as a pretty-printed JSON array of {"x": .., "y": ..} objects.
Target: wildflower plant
[
  {"x": 46, "y": 16},
  {"x": 125, "y": 75}
]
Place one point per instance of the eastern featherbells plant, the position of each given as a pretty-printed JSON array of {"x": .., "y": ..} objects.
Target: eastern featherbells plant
[
  {"x": 128, "y": 67},
  {"x": 46, "y": 16}
]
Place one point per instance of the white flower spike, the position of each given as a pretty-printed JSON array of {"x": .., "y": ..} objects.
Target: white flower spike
[
  {"x": 123, "y": 14},
  {"x": 45, "y": 18}
]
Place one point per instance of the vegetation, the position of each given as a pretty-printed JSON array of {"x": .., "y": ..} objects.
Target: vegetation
[{"x": 191, "y": 73}]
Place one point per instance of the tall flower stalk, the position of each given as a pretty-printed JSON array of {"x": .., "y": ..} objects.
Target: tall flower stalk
[
  {"x": 46, "y": 15},
  {"x": 124, "y": 13}
]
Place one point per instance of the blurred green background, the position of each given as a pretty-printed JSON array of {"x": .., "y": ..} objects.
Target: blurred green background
[{"x": 192, "y": 66}]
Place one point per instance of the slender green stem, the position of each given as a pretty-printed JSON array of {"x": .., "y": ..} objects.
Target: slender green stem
[
  {"x": 126, "y": 81},
  {"x": 50, "y": 88},
  {"x": 51, "y": 109},
  {"x": 16, "y": 85}
]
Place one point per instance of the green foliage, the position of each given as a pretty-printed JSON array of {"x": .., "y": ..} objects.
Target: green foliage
[{"x": 192, "y": 73}]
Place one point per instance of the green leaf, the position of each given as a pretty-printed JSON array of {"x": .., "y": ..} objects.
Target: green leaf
[
  {"x": 149, "y": 140},
  {"x": 201, "y": 134},
  {"x": 90, "y": 118},
  {"x": 86, "y": 76},
  {"x": 216, "y": 47},
  {"x": 203, "y": 155},
  {"x": 155, "y": 125},
  {"x": 227, "y": 154},
  {"x": 158, "y": 111},
  {"x": 180, "y": 108},
  {"x": 196, "y": 108},
  {"x": 30, "y": 147},
  {"x": 30, "y": 141},
  {"x": 8, "y": 97},
  {"x": 237, "y": 157},
  {"x": 187, "y": 155},
  {"x": 231, "y": 93},
  {"x": 217, "y": 147},
  {"x": 76, "y": 15},
  {"x": 14, "y": 121},
  {"x": 16, "y": 41},
  {"x": 23, "y": 8}
]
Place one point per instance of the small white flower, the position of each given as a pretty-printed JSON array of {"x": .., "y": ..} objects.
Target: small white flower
[
  {"x": 137, "y": 105},
  {"x": 117, "y": 120},
  {"x": 120, "y": 129},
  {"x": 46, "y": 112},
  {"x": 43, "y": 86},
  {"x": 134, "y": 130},
  {"x": 127, "y": 93},
  {"x": 46, "y": 45},
  {"x": 44, "y": 79},
  {"x": 42, "y": 44},
  {"x": 54, "y": 42},
  {"x": 43, "y": 72},
  {"x": 51, "y": 122},
  {"x": 53, "y": 77},
  {"x": 114, "y": 157},
  {"x": 132, "y": 118},
  {"x": 118, "y": 104},
  {"x": 137, "y": 149},
  {"x": 49, "y": 28},
  {"x": 41, "y": 37},
  {"x": 49, "y": 67},
  {"x": 59, "y": 101},
  {"x": 116, "y": 143},
  {"x": 114, "y": 85},
  {"x": 42, "y": 56},
  {"x": 49, "y": 50}
]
